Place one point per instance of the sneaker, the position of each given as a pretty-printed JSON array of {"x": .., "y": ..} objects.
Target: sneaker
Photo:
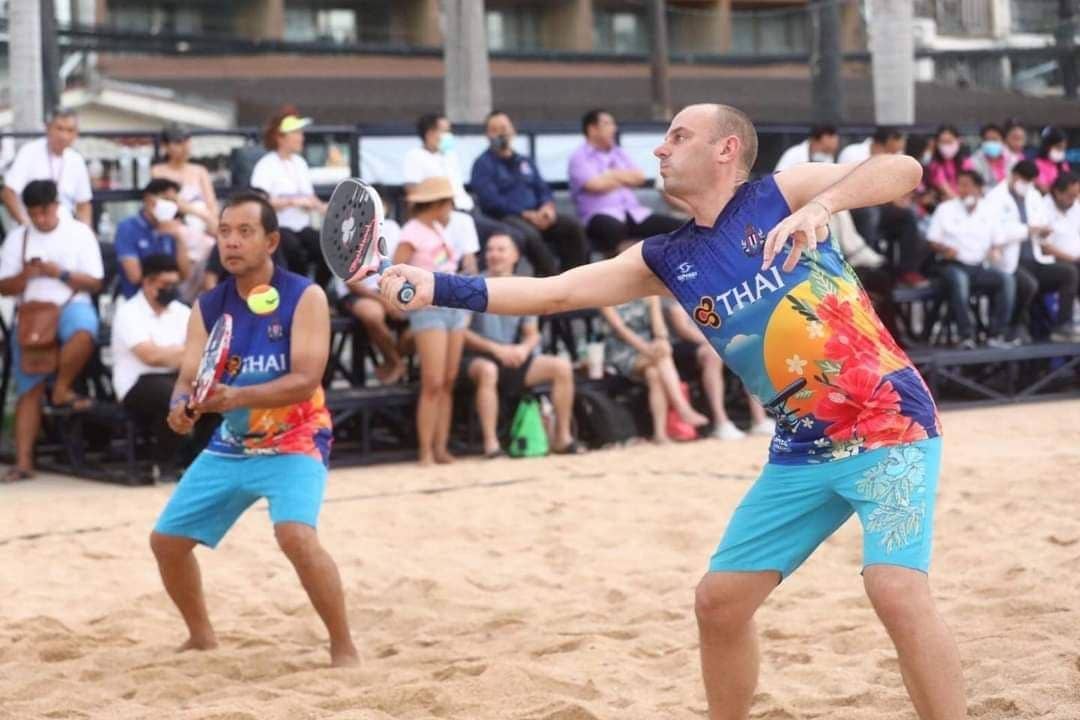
[
  {"x": 966, "y": 344},
  {"x": 999, "y": 343},
  {"x": 727, "y": 431},
  {"x": 766, "y": 427},
  {"x": 913, "y": 279}
]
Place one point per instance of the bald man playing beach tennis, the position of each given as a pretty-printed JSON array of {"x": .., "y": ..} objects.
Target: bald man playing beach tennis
[{"x": 857, "y": 429}]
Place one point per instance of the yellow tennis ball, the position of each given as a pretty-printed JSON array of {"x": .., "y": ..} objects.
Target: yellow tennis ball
[{"x": 263, "y": 299}]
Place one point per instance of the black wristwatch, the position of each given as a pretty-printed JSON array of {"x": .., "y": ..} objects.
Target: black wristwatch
[{"x": 64, "y": 276}]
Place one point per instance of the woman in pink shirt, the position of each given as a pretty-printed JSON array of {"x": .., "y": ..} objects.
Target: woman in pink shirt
[
  {"x": 439, "y": 332},
  {"x": 1051, "y": 157},
  {"x": 950, "y": 157}
]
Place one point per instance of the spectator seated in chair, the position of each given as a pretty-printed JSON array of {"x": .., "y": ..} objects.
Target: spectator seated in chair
[
  {"x": 154, "y": 230},
  {"x": 501, "y": 358},
  {"x": 509, "y": 188},
  {"x": 639, "y": 348},
  {"x": 1022, "y": 225},
  {"x": 54, "y": 259},
  {"x": 963, "y": 232},
  {"x": 148, "y": 334},
  {"x": 364, "y": 302},
  {"x": 602, "y": 182},
  {"x": 694, "y": 354},
  {"x": 1061, "y": 213}
]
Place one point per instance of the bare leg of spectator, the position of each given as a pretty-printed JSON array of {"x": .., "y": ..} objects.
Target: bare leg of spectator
[
  {"x": 669, "y": 376},
  {"x": 372, "y": 315},
  {"x": 74, "y": 354},
  {"x": 484, "y": 374},
  {"x": 712, "y": 381},
  {"x": 455, "y": 342},
  {"x": 27, "y": 426},
  {"x": 183, "y": 581},
  {"x": 558, "y": 372},
  {"x": 658, "y": 404},
  {"x": 431, "y": 346}
]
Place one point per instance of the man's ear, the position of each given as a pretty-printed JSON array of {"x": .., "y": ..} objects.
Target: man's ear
[
  {"x": 273, "y": 240},
  {"x": 728, "y": 149}
]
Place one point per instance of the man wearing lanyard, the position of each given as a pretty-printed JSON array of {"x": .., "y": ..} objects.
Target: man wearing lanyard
[{"x": 51, "y": 158}]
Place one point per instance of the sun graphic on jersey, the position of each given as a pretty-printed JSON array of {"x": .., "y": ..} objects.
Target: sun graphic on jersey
[{"x": 818, "y": 331}]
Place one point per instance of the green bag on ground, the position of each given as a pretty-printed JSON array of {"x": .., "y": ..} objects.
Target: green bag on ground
[{"x": 527, "y": 435}]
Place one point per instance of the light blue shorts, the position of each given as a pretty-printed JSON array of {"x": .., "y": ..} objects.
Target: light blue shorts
[
  {"x": 217, "y": 489},
  {"x": 438, "y": 318},
  {"x": 792, "y": 509},
  {"x": 74, "y": 317}
]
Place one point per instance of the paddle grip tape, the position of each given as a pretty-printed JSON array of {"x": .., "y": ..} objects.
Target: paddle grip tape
[{"x": 466, "y": 292}]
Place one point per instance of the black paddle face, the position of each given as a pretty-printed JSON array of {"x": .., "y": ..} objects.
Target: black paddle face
[{"x": 349, "y": 228}]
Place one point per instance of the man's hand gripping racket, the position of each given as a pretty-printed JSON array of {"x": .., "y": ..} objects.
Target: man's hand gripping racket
[
  {"x": 212, "y": 366},
  {"x": 351, "y": 237}
]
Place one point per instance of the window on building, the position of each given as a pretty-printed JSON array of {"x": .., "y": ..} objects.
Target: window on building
[
  {"x": 769, "y": 32},
  {"x": 622, "y": 31},
  {"x": 184, "y": 17},
  {"x": 514, "y": 27},
  {"x": 338, "y": 22}
]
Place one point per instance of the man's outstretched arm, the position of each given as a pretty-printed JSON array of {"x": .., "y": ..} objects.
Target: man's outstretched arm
[
  {"x": 611, "y": 282},
  {"x": 816, "y": 190}
]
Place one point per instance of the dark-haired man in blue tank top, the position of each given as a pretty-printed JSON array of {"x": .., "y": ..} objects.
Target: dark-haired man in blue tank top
[
  {"x": 857, "y": 430},
  {"x": 274, "y": 438}
]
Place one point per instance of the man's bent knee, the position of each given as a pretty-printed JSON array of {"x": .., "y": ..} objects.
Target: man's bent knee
[
  {"x": 296, "y": 540},
  {"x": 898, "y": 594},
  {"x": 725, "y": 602},
  {"x": 170, "y": 547}
]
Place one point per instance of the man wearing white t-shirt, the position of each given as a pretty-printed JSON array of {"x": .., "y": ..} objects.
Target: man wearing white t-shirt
[
  {"x": 148, "y": 336},
  {"x": 51, "y": 158},
  {"x": 820, "y": 146},
  {"x": 436, "y": 158},
  {"x": 53, "y": 259},
  {"x": 283, "y": 174}
]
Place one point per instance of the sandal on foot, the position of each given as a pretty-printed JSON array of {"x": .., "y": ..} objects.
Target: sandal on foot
[{"x": 16, "y": 474}]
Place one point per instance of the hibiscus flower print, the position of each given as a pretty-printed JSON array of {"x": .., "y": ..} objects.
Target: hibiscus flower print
[{"x": 856, "y": 402}]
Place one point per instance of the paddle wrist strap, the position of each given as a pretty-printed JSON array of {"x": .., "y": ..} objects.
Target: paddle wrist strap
[{"x": 466, "y": 292}]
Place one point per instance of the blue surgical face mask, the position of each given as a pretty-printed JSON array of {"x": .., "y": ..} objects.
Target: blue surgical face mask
[
  {"x": 992, "y": 148},
  {"x": 446, "y": 142}
]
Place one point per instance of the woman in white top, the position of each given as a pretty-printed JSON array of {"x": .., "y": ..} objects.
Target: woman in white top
[
  {"x": 283, "y": 174},
  {"x": 197, "y": 202}
]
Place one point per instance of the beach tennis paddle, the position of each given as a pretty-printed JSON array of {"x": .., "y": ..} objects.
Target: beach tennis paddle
[
  {"x": 351, "y": 237},
  {"x": 214, "y": 359}
]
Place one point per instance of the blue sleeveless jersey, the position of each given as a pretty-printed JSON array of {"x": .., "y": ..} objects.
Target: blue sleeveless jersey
[
  {"x": 807, "y": 343},
  {"x": 261, "y": 352}
]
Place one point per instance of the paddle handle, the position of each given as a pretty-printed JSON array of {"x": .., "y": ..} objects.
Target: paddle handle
[{"x": 407, "y": 291}]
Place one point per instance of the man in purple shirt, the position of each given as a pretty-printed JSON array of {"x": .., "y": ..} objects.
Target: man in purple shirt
[{"x": 602, "y": 182}]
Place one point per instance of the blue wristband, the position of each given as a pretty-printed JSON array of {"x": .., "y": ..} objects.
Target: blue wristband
[{"x": 466, "y": 292}]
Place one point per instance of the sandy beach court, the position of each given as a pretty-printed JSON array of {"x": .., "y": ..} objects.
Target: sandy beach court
[{"x": 551, "y": 589}]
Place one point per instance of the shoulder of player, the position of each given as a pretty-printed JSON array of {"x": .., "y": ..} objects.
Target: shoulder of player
[{"x": 312, "y": 305}]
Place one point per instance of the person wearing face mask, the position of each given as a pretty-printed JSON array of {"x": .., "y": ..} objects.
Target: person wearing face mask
[
  {"x": 154, "y": 230},
  {"x": 1051, "y": 157},
  {"x": 962, "y": 232},
  {"x": 148, "y": 335},
  {"x": 950, "y": 157},
  {"x": 508, "y": 187},
  {"x": 820, "y": 146},
  {"x": 989, "y": 160},
  {"x": 1021, "y": 226}
]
